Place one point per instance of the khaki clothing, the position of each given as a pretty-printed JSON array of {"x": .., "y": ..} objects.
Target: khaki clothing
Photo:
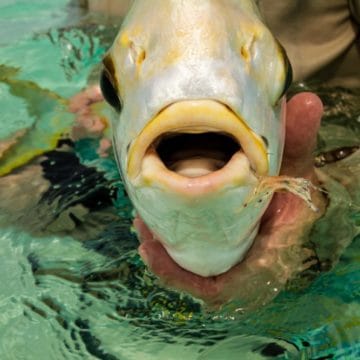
[{"x": 321, "y": 37}]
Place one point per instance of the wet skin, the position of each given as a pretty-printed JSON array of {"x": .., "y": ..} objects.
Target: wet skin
[{"x": 278, "y": 252}]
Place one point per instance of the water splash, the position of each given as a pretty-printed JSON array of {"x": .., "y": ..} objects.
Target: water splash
[{"x": 300, "y": 187}]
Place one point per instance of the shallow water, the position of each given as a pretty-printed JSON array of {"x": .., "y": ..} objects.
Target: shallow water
[{"x": 72, "y": 285}]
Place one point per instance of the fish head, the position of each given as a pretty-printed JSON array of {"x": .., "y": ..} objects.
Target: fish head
[{"x": 199, "y": 88}]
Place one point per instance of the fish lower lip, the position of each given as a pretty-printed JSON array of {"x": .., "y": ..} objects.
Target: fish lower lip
[
  {"x": 197, "y": 145},
  {"x": 236, "y": 172}
]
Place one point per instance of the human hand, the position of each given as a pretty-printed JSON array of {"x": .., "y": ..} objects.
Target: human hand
[
  {"x": 89, "y": 123},
  {"x": 278, "y": 251}
]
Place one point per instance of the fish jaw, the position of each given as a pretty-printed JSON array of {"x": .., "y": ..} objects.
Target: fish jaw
[{"x": 206, "y": 236}]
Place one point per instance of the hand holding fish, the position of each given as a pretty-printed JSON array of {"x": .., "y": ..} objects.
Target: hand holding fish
[
  {"x": 88, "y": 122},
  {"x": 277, "y": 252},
  {"x": 199, "y": 139}
]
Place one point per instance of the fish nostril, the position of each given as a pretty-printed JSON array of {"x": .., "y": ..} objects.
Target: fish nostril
[
  {"x": 247, "y": 43},
  {"x": 137, "y": 54},
  {"x": 141, "y": 57},
  {"x": 244, "y": 51}
]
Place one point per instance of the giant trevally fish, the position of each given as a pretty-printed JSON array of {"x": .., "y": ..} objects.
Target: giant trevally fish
[{"x": 199, "y": 87}]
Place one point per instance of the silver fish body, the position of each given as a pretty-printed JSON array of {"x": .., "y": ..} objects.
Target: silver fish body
[{"x": 200, "y": 85}]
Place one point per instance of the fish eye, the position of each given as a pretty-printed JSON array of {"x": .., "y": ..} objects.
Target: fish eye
[
  {"x": 109, "y": 92},
  {"x": 288, "y": 71},
  {"x": 288, "y": 77}
]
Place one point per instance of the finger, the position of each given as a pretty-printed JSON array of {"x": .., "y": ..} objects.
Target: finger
[
  {"x": 94, "y": 94},
  {"x": 304, "y": 112},
  {"x": 82, "y": 100},
  {"x": 78, "y": 102},
  {"x": 142, "y": 231},
  {"x": 104, "y": 146}
]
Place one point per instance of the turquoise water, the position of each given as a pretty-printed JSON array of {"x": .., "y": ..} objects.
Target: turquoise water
[{"x": 72, "y": 285}]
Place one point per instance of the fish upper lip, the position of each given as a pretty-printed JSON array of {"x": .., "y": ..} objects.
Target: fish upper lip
[{"x": 145, "y": 168}]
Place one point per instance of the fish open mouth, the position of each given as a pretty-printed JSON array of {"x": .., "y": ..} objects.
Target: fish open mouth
[
  {"x": 194, "y": 155},
  {"x": 196, "y": 147}
]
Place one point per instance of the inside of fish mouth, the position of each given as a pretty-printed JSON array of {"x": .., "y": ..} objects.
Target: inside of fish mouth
[{"x": 195, "y": 155}]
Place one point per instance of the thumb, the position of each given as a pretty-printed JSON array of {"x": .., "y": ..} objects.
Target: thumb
[{"x": 303, "y": 117}]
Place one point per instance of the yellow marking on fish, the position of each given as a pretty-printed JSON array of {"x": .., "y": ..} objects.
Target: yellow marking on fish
[
  {"x": 172, "y": 56},
  {"x": 124, "y": 40}
]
